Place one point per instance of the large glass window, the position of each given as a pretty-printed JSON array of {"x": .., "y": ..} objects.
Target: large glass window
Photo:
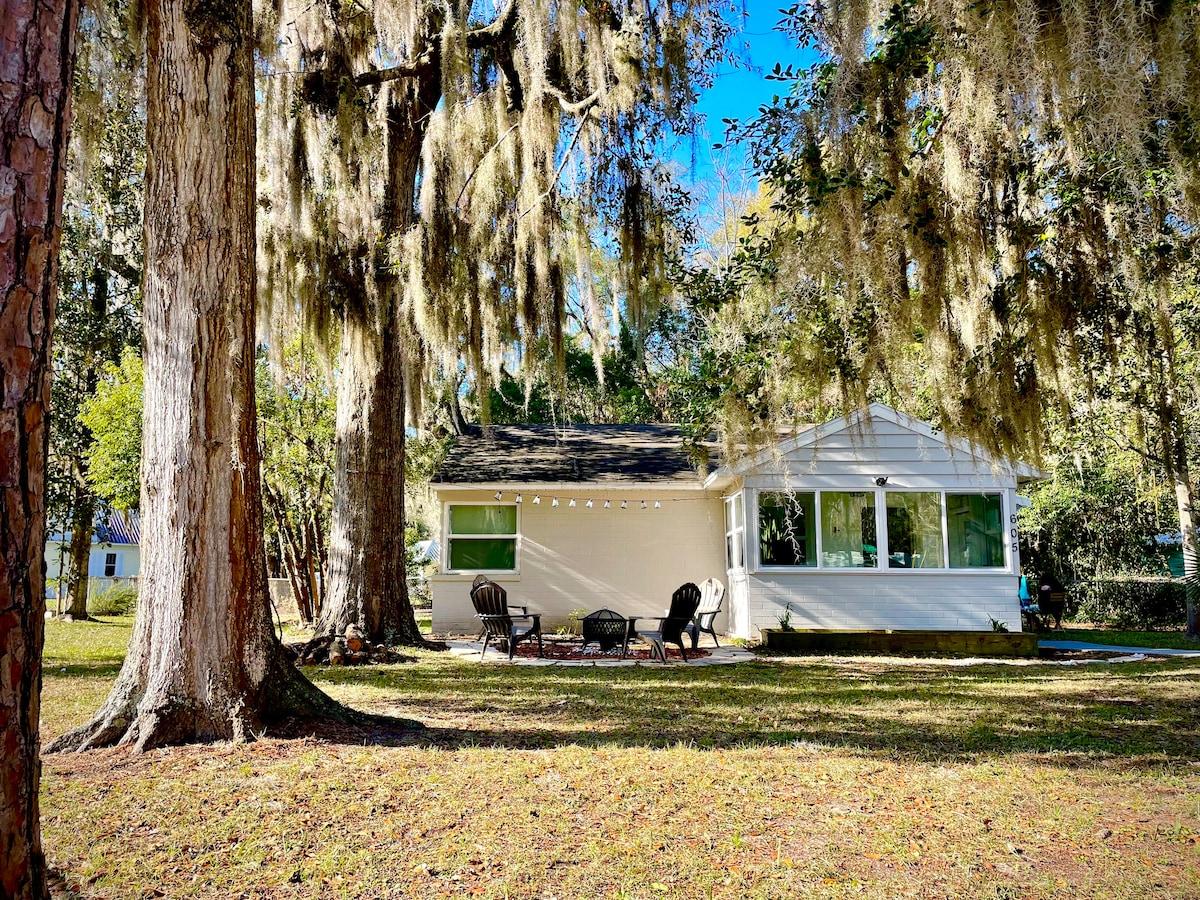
[
  {"x": 975, "y": 523},
  {"x": 914, "y": 530},
  {"x": 787, "y": 529},
  {"x": 735, "y": 531},
  {"x": 483, "y": 538},
  {"x": 848, "y": 530}
]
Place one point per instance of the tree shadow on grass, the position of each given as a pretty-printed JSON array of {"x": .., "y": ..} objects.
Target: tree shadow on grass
[{"x": 916, "y": 713}]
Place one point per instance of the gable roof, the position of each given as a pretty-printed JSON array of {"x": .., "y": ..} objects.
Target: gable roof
[
  {"x": 120, "y": 528},
  {"x": 860, "y": 419},
  {"x": 572, "y": 454}
]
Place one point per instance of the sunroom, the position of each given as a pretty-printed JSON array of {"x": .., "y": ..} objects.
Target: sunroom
[{"x": 876, "y": 522}]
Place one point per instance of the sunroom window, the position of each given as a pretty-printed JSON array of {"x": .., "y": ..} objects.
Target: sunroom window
[
  {"x": 482, "y": 538},
  {"x": 975, "y": 526},
  {"x": 914, "y": 530},
  {"x": 787, "y": 529},
  {"x": 848, "y": 530}
]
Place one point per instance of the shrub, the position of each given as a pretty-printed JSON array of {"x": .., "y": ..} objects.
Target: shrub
[
  {"x": 118, "y": 599},
  {"x": 1133, "y": 603}
]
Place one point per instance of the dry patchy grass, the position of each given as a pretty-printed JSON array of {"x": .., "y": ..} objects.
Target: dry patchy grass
[{"x": 801, "y": 778}]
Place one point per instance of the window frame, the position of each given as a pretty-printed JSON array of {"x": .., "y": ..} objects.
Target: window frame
[
  {"x": 735, "y": 531},
  {"x": 816, "y": 525},
  {"x": 752, "y": 554},
  {"x": 114, "y": 559},
  {"x": 448, "y": 537},
  {"x": 1008, "y": 535}
]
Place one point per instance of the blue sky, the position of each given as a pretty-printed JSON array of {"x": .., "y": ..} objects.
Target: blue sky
[{"x": 741, "y": 89}]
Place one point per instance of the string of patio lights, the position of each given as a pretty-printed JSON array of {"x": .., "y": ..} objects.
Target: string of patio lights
[{"x": 591, "y": 502}]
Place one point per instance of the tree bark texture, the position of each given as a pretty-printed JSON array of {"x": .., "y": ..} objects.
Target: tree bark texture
[
  {"x": 36, "y": 61},
  {"x": 203, "y": 663},
  {"x": 367, "y": 585},
  {"x": 83, "y": 513}
]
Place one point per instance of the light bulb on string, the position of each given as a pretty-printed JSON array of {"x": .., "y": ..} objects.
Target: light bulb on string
[
  {"x": 572, "y": 503},
  {"x": 536, "y": 500},
  {"x": 518, "y": 498},
  {"x": 554, "y": 502},
  {"x": 657, "y": 504},
  {"x": 499, "y": 495},
  {"x": 643, "y": 504},
  {"x": 608, "y": 504},
  {"x": 588, "y": 504},
  {"x": 624, "y": 504}
]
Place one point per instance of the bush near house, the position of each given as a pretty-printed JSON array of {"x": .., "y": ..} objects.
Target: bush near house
[
  {"x": 1137, "y": 603},
  {"x": 118, "y": 599}
]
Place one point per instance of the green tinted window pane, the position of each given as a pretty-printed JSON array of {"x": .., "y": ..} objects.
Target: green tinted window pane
[
  {"x": 914, "y": 525},
  {"x": 787, "y": 529},
  {"x": 483, "y": 520},
  {"x": 975, "y": 527},
  {"x": 483, "y": 553},
  {"x": 848, "y": 530}
]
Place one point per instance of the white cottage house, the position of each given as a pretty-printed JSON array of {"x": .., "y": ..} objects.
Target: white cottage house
[
  {"x": 115, "y": 554},
  {"x": 873, "y": 521}
]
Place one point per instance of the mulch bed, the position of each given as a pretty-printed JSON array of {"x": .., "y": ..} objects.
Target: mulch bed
[{"x": 566, "y": 652}]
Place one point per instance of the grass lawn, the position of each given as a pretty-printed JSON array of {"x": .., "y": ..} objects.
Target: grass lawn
[
  {"x": 1169, "y": 640},
  {"x": 781, "y": 779}
]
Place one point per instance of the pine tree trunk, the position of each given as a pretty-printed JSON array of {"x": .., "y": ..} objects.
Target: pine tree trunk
[
  {"x": 82, "y": 517},
  {"x": 367, "y": 585},
  {"x": 203, "y": 662},
  {"x": 36, "y": 60}
]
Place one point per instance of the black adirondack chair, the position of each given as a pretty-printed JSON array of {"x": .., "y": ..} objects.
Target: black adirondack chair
[
  {"x": 499, "y": 621},
  {"x": 673, "y": 625},
  {"x": 712, "y": 592}
]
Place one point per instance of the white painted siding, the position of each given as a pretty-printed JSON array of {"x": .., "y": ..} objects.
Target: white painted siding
[
  {"x": 129, "y": 562},
  {"x": 739, "y": 606},
  {"x": 902, "y": 601},
  {"x": 630, "y": 560},
  {"x": 854, "y": 458}
]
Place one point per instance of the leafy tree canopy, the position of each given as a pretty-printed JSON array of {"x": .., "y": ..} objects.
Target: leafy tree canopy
[{"x": 114, "y": 417}]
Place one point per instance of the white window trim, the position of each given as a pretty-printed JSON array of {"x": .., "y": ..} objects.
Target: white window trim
[
  {"x": 755, "y": 566},
  {"x": 447, "y": 537},
  {"x": 737, "y": 530}
]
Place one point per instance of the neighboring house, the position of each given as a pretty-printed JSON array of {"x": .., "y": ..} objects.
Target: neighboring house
[
  {"x": 875, "y": 521},
  {"x": 116, "y": 553}
]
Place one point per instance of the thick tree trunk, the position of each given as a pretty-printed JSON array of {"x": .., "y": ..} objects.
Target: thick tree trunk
[
  {"x": 204, "y": 662},
  {"x": 82, "y": 517},
  {"x": 366, "y": 553},
  {"x": 36, "y": 59},
  {"x": 367, "y": 585}
]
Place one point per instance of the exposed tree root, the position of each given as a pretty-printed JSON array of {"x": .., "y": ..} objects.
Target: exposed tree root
[
  {"x": 335, "y": 650},
  {"x": 288, "y": 703}
]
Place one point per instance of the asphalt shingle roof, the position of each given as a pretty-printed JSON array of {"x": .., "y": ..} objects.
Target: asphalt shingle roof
[{"x": 572, "y": 454}]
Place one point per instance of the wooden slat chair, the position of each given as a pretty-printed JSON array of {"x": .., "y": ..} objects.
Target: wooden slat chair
[
  {"x": 712, "y": 593},
  {"x": 499, "y": 622},
  {"x": 672, "y": 626}
]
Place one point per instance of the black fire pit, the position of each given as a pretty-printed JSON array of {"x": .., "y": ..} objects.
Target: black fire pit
[{"x": 606, "y": 628}]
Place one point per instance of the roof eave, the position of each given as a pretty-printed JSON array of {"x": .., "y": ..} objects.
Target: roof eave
[{"x": 550, "y": 486}]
